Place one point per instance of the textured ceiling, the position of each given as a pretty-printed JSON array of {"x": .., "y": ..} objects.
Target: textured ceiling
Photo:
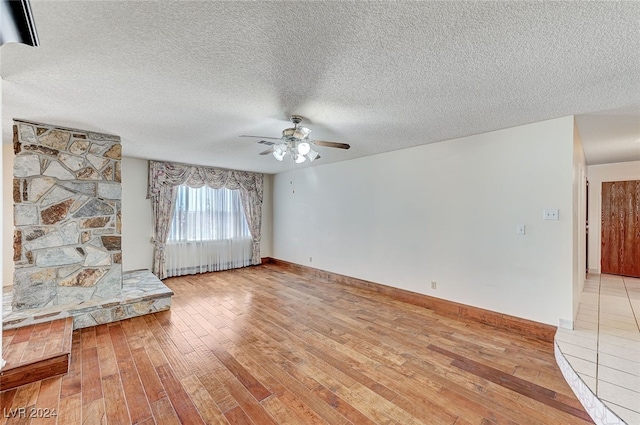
[{"x": 180, "y": 80}]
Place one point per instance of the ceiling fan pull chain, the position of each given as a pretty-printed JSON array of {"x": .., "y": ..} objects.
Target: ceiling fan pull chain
[{"x": 293, "y": 171}]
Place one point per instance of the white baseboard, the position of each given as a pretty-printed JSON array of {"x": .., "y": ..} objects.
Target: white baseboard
[{"x": 565, "y": 324}]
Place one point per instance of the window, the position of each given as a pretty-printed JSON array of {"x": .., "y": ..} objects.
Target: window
[{"x": 206, "y": 214}]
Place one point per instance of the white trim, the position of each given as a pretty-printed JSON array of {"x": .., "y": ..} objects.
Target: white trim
[{"x": 565, "y": 324}]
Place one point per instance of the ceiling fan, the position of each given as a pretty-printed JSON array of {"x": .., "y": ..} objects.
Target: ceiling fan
[{"x": 295, "y": 142}]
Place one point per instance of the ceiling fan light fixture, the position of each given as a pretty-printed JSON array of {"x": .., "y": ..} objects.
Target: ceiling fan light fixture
[
  {"x": 304, "y": 148},
  {"x": 301, "y": 132},
  {"x": 296, "y": 143}
]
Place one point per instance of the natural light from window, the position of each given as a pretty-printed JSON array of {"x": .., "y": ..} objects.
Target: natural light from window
[{"x": 206, "y": 214}]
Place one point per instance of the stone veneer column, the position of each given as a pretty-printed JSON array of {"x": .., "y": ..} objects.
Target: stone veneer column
[{"x": 67, "y": 195}]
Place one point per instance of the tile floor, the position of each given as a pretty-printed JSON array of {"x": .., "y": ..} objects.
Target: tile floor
[{"x": 604, "y": 347}]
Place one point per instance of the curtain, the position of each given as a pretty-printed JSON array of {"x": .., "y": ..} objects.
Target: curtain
[
  {"x": 209, "y": 232},
  {"x": 162, "y": 205},
  {"x": 164, "y": 177}
]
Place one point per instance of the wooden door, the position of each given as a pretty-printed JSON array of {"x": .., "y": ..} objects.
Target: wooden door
[{"x": 621, "y": 228}]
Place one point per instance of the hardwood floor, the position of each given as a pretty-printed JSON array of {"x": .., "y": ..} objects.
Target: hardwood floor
[
  {"x": 35, "y": 352},
  {"x": 263, "y": 345}
]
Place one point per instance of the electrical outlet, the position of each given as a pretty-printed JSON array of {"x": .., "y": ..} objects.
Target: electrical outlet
[
  {"x": 434, "y": 284},
  {"x": 311, "y": 259},
  {"x": 551, "y": 214}
]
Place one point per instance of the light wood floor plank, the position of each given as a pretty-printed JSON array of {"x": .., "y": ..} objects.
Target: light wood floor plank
[
  {"x": 72, "y": 381},
  {"x": 139, "y": 408},
  {"x": 47, "y": 406},
  {"x": 70, "y": 411},
  {"x": 164, "y": 413},
  {"x": 182, "y": 404},
  {"x": 203, "y": 401},
  {"x": 94, "y": 412},
  {"x": 114, "y": 400},
  {"x": 280, "y": 410},
  {"x": 91, "y": 388}
]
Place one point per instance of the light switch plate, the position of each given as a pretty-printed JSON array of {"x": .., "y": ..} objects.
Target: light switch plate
[
  {"x": 551, "y": 214},
  {"x": 521, "y": 229}
]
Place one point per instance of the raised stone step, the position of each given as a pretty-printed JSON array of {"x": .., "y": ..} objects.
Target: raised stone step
[{"x": 142, "y": 293}]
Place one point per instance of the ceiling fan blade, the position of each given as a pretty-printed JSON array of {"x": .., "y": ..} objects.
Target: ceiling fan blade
[
  {"x": 261, "y": 137},
  {"x": 267, "y": 152},
  {"x": 264, "y": 142},
  {"x": 331, "y": 144}
]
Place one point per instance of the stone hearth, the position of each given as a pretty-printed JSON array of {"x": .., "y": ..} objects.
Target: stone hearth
[{"x": 142, "y": 293}]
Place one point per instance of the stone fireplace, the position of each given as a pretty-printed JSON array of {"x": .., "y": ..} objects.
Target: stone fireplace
[
  {"x": 67, "y": 217},
  {"x": 66, "y": 194}
]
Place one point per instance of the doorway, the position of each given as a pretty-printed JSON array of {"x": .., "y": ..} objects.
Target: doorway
[{"x": 620, "y": 254}]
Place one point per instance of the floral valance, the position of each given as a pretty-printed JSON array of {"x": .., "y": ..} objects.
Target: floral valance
[{"x": 174, "y": 174}]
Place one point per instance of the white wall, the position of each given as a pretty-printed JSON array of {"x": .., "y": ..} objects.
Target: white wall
[
  {"x": 444, "y": 212},
  {"x": 597, "y": 174},
  {"x": 137, "y": 250},
  {"x": 266, "y": 243},
  {"x": 7, "y": 216}
]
